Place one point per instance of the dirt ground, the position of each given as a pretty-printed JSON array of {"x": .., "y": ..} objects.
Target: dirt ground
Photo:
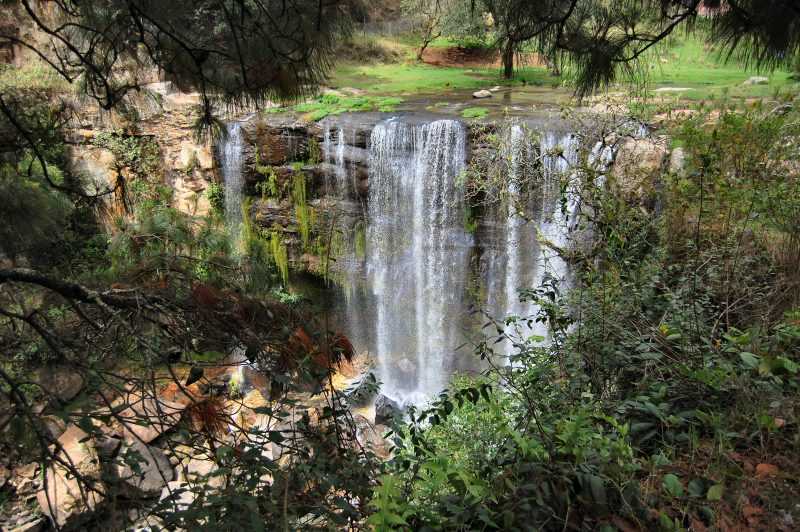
[{"x": 457, "y": 56}]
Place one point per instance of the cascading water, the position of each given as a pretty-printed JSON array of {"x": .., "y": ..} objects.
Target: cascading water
[
  {"x": 230, "y": 154},
  {"x": 417, "y": 253},
  {"x": 334, "y": 152},
  {"x": 407, "y": 298},
  {"x": 515, "y": 258}
]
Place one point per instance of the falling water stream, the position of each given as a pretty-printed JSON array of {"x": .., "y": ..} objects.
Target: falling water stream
[{"x": 230, "y": 155}]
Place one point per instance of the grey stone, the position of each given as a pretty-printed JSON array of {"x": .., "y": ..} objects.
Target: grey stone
[
  {"x": 756, "y": 80},
  {"x": 387, "y": 412},
  {"x": 150, "y": 474},
  {"x": 482, "y": 94}
]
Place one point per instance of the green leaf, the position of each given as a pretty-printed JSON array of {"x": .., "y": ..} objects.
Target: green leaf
[
  {"x": 749, "y": 359},
  {"x": 672, "y": 484},
  {"x": 715, "y": 492},
  {"x": 697, "y": 488}
]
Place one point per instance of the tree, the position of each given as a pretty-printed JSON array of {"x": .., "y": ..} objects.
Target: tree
[
  {"x": 600, "y": 40},
  {"x": 428, "y": 16},
  {"x": 517, "y": 22},
  {"x": 231, "y": 51}
]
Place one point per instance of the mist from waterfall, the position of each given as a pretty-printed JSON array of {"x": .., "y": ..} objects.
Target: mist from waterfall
[{"x": 231, "y": 159}]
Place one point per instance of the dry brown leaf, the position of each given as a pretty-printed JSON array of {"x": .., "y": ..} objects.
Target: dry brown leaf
[{"x": 766, "y": 470}]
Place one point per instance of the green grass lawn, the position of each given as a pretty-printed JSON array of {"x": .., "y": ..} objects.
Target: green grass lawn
[
  {"x": 419, "y": 78},
  {"x": 685, "y": 64},
  {"x": 690, "y": 64}
]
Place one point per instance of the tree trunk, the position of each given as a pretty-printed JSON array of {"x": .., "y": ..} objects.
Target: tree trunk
[{"x": 508, "y": 60}]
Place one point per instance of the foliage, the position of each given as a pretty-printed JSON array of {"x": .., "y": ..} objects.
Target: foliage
[{"x": 216, "y": 198}]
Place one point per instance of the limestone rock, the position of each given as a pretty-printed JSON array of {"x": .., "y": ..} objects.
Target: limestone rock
[
  {"x": 37, "y": 525},
  {"x": 61, "y": 382},
  {"x": 146, "y": 418},
  {"x": 179, "y": 494},
  {"x": 386, "y": 411},
  {"x": 150, "y": 473},
  {"x": 756, "y": 80},
  {"x": 66, "y": 500},
  {"x": 638, "y": 164},
  {"x": 482, "y": 94}
]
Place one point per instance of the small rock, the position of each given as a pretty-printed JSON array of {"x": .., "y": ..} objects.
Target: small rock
[
  {"x": 387, "y": 412},
  {"x": 482, "y": 94},
  {"x": 179, "y": 494},
  {"x": 756, "y": 80},
  {"x": 496, "y": 88},
  {"x": 37, "y": 525},
  {"x": 150, "y": 474}
]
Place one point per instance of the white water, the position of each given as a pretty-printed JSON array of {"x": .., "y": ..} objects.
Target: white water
[
  {"x": 334, "y": 152},
  {"x": 417, "y": 253},
  {"x": 412, "y": 305},
  {"x": 230, "y": 154}
]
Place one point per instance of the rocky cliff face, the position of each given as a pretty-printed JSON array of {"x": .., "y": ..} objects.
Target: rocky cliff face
[{"x": 160, "y": 115}]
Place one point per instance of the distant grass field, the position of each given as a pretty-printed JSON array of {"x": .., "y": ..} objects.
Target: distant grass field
[
  {"x": 419, "y": 78},
  {"x": 687, "y": 63},
  {"x": 690, "y": 64}
]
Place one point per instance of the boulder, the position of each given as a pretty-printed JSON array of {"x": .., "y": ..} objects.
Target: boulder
[
  {"x": 482, "y": 94},
  {"x": 179, "y": 494},
  {"x": 145, "y": 418},
  {"x": 363, "y": 391},
  {"x": 677, "y": 161},
  {"x": 200, "y": 470},
  {"x": 61, "y": 382},
  {"x": 55, "y": 426},
  {"x": 64, "y": 499},
  {"x": 756, "y": 80},
  {"x": 371, "y": 437},
  {"x": 638, "y": 164},
  {"x": 387, "y": 411},
  {"x": 142, "y": 470}
]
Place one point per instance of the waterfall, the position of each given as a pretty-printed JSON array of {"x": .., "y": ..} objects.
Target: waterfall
[
  {"x": 334, "y": 153},
  {"x": 417, "y": 253},
  {"x": 230, "y": 154},
  {"x": 515, "y": 258}
]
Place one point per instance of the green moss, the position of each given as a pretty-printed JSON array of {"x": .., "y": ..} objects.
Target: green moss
[
  {"x": 303, "y": 212},
  {"x": 475, "y": 112},
  {"x": 279, "y": 255},
  {"x": 216, "y": 198},
  {"x": 360, "y": 239},
  {"x": 314, "y": 151},
  {"x": 331, "y": 104}
]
